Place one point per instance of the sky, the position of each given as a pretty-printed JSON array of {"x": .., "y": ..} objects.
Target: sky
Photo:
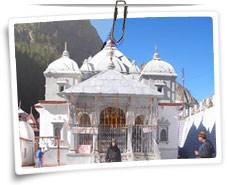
[{"x": 184, "y": 42}]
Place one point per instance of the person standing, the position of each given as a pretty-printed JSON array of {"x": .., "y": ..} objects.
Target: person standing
[
  {"x": 39, "y": 158},
  {"x": 113, "y": 152},
  {"x": 206, "y": 149}
]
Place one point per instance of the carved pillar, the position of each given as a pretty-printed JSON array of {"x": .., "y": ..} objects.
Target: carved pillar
[
  {"x": 129, "y": 122},
  {"x": 96, "y": 114}
]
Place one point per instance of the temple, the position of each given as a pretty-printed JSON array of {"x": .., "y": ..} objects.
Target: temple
[{"x": 109, "y": 96}]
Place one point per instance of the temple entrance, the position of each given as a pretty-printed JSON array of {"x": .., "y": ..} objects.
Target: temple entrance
[{"x": 112, "y": 125}]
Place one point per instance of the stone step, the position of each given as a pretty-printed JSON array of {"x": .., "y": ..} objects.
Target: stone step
[{"x": 142, "y": 157}]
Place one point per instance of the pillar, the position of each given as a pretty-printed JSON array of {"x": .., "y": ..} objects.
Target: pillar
[{"x": 129, "y": 121}]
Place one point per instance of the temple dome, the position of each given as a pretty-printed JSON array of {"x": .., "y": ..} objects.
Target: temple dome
[
  {"x": 87, "y": 66},
  {"x": 102, "y": 60},
  {"x": 63, "y": 65},
  {"x": 158, "y": 67}
]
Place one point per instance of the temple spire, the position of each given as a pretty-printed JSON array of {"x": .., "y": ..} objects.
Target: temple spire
[
  {"x": 65, "y": 46},
  {"x": 111, "y": 65},
  {"x": 65, "y": 52},
  {"x": 110, "y": 52},
  {"x": 156, "y": 55}
]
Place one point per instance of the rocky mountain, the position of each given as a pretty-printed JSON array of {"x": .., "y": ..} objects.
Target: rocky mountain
[{"x": 38, "y": 44}]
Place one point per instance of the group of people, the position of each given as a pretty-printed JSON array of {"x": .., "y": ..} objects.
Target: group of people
[
  {"x": 205, "y": 150},
  {"x": 113, "y": 154}
]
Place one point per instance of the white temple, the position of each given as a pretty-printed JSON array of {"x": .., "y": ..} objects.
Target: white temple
[{"x": 110, "y": 97}]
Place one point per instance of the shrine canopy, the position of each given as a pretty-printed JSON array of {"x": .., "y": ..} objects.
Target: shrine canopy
[{"x": 110, "y": 82}]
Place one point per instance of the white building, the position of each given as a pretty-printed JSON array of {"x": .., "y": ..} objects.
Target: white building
[
  {"x": 26, "y": 143},
  {"x": 26, "y": 137},
  {"x": 110, "y": 97}
]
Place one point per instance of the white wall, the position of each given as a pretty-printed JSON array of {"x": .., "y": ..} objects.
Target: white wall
[
  {"x": 170, "y": 88},
  {"x": 52, "y": 87},
  {"x": 47, "y": 115},
  {"x": 27, "y": 152},
  {"x": 169, "y": 150}
]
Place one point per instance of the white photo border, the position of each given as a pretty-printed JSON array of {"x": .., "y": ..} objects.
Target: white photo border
[{"x": 132, "y": 14}]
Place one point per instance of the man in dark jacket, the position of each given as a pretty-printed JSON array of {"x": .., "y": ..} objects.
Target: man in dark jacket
[
  {"x": 113, "y": 152},
  {"x": 206, "y": 150}
]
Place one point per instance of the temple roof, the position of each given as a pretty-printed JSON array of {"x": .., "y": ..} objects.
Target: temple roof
[
  {"x": 100, "y": 62},
  {"x": 158, "y": 67},
  {"x": 64, "y": 64},
  {"x": 110, "y": 82}
]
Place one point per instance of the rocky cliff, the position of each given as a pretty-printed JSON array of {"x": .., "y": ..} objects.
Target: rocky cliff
[{"x": 38, "y": 44}]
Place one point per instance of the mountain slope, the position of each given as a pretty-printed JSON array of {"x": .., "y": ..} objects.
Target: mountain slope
[{"x": 38, "y": 44}]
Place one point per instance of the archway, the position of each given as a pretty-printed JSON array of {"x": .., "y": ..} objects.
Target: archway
[
  {"x": 112, "y": 117},
  {"x": 137, "y": 134},
  {"x": 163, "y": 135},
  {"x": 84, "y": 120}
]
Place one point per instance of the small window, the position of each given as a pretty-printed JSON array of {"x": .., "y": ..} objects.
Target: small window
[
  {"x": 163, "y": 135},
  {"x": 159, "y": 88},
  {"x": 61, "y": 88}
]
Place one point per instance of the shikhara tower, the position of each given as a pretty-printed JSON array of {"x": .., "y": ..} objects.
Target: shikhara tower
[{"x": 109, "y": 96}]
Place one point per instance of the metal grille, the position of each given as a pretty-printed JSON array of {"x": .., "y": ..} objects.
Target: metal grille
[
  {"x": 142, "y": 139},
  {"x": 106, "y": 134}
]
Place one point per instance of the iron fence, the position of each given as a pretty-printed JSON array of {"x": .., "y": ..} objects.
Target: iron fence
[{"x": 142, "y": 139}]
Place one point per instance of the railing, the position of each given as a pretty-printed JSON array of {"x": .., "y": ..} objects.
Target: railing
[{"x": 142, "y": 139}]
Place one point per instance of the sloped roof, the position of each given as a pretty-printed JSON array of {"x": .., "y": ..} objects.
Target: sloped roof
[{"x": 111, "y": 82}]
